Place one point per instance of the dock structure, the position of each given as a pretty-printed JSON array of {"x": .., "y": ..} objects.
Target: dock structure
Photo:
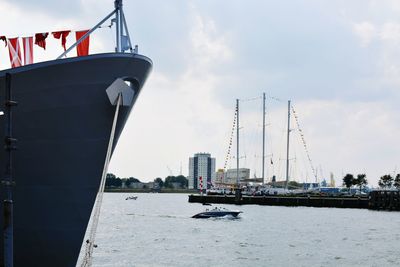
[
  {"x": 289, "y": 201},
  {"x": 384, "y": 200},
  {"x": 377, "y": 200}
]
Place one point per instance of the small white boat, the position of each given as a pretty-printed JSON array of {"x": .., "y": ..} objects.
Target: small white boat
[{"x": 216, "y": 212}]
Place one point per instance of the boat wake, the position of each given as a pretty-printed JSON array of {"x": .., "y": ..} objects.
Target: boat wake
[
  {"x": 157, "y": 216},
  {"x": 217, "y": 213},
  {"x": 226, "y": 218}
]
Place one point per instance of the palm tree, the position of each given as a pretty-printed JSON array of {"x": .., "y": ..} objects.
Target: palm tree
[
  {"x": 397, "y": 181},
  {"x": 361, "y": 180},
  {"x": 348, "y": 180},
  {"x": 386, "y": 181}
]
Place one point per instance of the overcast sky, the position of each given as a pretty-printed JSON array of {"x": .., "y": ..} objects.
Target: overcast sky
[{"x": 338, "y": 61}]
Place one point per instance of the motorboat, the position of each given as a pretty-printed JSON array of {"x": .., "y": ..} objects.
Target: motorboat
[
  {"x": 216, "y": 212},
  {"x": 131, "y": 198}
]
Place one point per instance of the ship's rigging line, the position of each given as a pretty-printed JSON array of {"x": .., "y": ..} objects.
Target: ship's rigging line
[
  {"x": 87, "y": 34},
  {"x": 304, "y": 142},
  {"x": 228, "y": 154},
  {"x": 250, "y": 135},
  {"x": 230, "y": 140},
  {"x": 251, "y": 99},
  {"x": 87, "y": 260}
]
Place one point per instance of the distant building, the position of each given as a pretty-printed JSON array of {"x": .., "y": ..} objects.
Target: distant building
[
  {"x": 332, "y": 183},
  {"x": 220, "y": 177},
  {"x": 307, "y": 186},
  {"x": 201, "y": 165},
  {"x": 231, "y": 175}
]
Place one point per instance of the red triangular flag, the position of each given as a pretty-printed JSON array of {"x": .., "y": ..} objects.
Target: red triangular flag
[
  {"x": 28, "y": 50},
  {"x": 83, "y": 47},
  {"x": 40, "y": 39},
  {"x": 63, "y": 35},
  {"x": 15, "y": 52}
]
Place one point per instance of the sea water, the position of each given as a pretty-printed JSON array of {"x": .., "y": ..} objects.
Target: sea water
[{"x": 157, "y": 230}]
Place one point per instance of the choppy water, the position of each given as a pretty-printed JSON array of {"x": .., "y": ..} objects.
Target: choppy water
[{"x": 156, "y": 230}]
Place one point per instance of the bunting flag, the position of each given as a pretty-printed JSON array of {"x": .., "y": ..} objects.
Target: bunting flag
[
  {"x": 83, "y": 47},
  {"x": 28, "y": 50},
  {"x": 15, "y": 53},
  {"x": 230, "y": 140},
  {"x": 3, "y": 38},
  {"x": 63, "y": 35},
  {"x": 304, "y": 142},
  {"x": 201, "y": 183},
  {"x": 40, "y": 39},
  {"x": 14, "y": 47}
]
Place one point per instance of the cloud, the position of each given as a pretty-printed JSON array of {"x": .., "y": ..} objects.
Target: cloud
[
  {"x": 343, "y": 97},
  {"x": 353, "y": 137},
  {"x": 341, "y": 137},
  {"x": 338, "y": 61},
  {"x": 387, "y": 33},
  {"x": 366, "y": 31},
  {"x": 208, "y": 45},
  {"x": 181, "y": 114},
  {"x": 390, "y": 32},
  {"x": 60, "y": 9}
]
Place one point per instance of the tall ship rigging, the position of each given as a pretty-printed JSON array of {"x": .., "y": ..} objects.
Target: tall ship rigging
[{"x": 69, "y": 117}]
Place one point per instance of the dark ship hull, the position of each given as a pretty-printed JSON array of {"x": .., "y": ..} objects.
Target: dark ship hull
[{"x": 62, "y": 122}]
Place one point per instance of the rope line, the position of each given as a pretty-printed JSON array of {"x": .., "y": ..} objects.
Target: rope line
[
  {"x": 228, "y": 154},
  {"x": 87, "y": 260},
  {"x": 304, "y": 142},
  {"x": 251, "y": 99},
  {"x": 275, "y": 98}
]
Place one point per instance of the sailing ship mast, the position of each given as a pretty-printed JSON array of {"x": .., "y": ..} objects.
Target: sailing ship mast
[
  {"x": 237, "y": 144},
  {"x": 263, "y": 143},
  {"x": 287, "y": 147}
]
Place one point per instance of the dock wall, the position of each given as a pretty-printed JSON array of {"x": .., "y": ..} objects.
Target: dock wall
[
  {"x": 384, "y": 200},
  {"x": 361, "y": 203},
  {"x": 376, "y": 200}
]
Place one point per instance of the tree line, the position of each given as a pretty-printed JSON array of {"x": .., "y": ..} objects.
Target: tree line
[
  {"x": 386, "y": 181},
  {"x": 114, "y": 181},
  {"x": 179, "y": 181},
  {"x": 173, "y": 182}
]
